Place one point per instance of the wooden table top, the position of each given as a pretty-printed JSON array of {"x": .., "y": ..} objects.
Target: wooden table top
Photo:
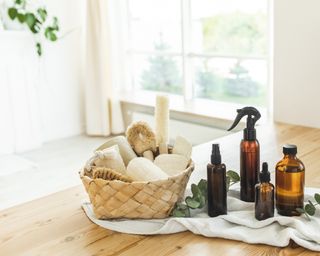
[{"x": 56, "y": 224}]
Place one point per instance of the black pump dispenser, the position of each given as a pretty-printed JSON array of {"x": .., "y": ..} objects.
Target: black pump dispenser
[
  {"x": 264, "y": 174},
  {"x": 249, "y": 133},
  {"x": 215, "y": 154}
]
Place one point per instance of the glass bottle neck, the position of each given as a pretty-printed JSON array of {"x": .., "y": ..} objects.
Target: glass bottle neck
[{"x": 290, "y": 156}]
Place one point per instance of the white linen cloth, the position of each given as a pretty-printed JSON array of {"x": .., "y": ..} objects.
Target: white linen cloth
[{"x": 239, "y": 224}]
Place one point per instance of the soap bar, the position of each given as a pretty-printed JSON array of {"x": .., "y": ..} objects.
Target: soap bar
[
  {"x": 111, "y": 158},
  {"x": 125, "y": 149},
  {"x": 142, "y": 169},
  {"x": 171, "y": 164},
  {"x": 182, "y": 147}
]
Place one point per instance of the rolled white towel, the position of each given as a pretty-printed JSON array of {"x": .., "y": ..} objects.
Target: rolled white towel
[
  {"x": 142, "y": 169},
  {"x": 171, "y": 164}
]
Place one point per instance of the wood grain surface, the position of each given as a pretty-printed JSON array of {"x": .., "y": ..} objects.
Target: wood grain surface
[{"x": 56, "y": 224}]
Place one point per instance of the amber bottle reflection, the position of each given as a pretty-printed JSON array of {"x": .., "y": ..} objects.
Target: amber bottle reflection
[
  {"x": 290, "y": 177},
  {"x": 249, "y": 168}
]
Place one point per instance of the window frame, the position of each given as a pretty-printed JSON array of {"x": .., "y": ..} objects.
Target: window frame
[{"x": 187, "y": 55}]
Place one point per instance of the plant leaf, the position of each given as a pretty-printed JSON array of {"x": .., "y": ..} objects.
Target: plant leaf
[
  {"x": 317, "y": 197},
  {"x": 203, "y": 186},
  {"x": 12, "y": 12},
  {"x": 42, "y": 14},
  {"x": 39, "y": 49},
  {"x": 181, "y": 210},
  {"x": 30, "y": 19},
  {"x": 21, "y": 17},
  {"x": 195, "y": 190},
  {"x": 310, "y": 209},
  {"x": 192, "y": 202},
  {"x": 228, "y": 181},
  {"x": 49, "y": 34},
  {"x": 234, "y": 176},
  {"x": 19, "y": 2}
]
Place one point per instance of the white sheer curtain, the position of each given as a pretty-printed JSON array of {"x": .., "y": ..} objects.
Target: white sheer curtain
[{"x": 103, "y": 114}]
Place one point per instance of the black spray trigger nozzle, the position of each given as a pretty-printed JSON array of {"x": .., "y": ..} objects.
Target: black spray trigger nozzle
[{"x": 253, "y": 116}]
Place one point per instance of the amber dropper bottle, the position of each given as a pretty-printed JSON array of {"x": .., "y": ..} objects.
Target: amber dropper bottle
[
  {"x": 290, "y": 173},
  {"x": 264, "y": 196},
  {"x": 217, "y": 187}
]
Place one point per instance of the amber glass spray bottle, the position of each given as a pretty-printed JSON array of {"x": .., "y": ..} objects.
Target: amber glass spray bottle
[
  {"x": 290, "y": 173},
  {"x": 217, "y": 186},
  {"x": 249, "y": 153}
]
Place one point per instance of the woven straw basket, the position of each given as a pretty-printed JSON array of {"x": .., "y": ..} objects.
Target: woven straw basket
[{"x": 136, "y": 200}]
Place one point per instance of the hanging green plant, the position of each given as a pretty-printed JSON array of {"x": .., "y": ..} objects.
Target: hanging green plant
[{"x": 36, "y": 21}]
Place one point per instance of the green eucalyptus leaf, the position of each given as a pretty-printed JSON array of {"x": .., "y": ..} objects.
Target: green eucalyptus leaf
[
  {"x": 21, "y": 17},
  {"x": 181, "y": 210},
  {"x": 310, "y": 209},
  {"x": 192, "y": 202},
  {"x": 39, "y": 49},
  {"x": 234, "y": 176},
  {"x": 49, "y": 34},
  {"x": 12, "y": 12},
  {"x": 202, "y": 201},
  {"x": 203, "y": 186},
  {"x": 195, "y": 190},
  {"x": 312, "y": 205},
  {"x": 300, "y": 210},
  {"x": 42, "y": 14},
  {"x": 317, "y": 197}
]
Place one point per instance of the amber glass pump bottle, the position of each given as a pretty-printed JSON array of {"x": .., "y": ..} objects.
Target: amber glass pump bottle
[
  {"x": 249, "y": 153},
  {"x": 217, "y": 186},
  {"x": 264, "y": 202},
  {"x": 290, "y": 173}
]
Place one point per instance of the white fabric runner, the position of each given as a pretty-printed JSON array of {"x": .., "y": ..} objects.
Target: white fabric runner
[{"x": 239, "y": 224}]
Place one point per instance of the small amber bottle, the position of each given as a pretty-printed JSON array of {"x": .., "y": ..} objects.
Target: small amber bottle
[
  {"x": 217, "y": 187},
  {"x": 264, "y": 195},
  {"x": 290, "y": 175}
]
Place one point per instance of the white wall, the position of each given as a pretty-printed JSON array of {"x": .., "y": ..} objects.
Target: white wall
[
  {"x": 62, "y": 92},
  {"x": 297, "y": 62}
]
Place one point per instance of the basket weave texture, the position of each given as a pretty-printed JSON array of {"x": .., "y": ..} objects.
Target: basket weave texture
[{"x": 136, "y": 200}]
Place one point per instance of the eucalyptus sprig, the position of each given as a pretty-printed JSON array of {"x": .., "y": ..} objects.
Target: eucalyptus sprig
[
  {"x": 199, "y": 198},
  {"x": 310, "y": 208},
  {"x": 36, "y": 21}
]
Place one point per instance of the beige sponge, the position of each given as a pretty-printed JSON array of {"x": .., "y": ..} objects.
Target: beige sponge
[
  {"x": 142, "y": 169},
  {"x": 171, "y": 164},
  {"x": 182, "y": 147}
]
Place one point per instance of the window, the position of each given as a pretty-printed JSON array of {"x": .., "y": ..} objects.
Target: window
[{"x": 211, "y": 49}]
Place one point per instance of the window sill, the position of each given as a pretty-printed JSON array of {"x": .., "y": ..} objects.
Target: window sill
[{"x": 199, "y": 111}]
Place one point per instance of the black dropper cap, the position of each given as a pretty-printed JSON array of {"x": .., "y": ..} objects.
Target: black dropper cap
[
  {"x": 289, "y": 149},
  {"x": 215, "y": 154},
  {"x": 264, "y": 175}
]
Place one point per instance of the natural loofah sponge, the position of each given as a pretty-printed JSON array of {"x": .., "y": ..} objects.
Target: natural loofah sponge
[
  {"x": 171, "y": 164},
  {"x": 109, "y": 174},
  {"x": 141, "y": 137},
  {"x": 142, "y": 169}
]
